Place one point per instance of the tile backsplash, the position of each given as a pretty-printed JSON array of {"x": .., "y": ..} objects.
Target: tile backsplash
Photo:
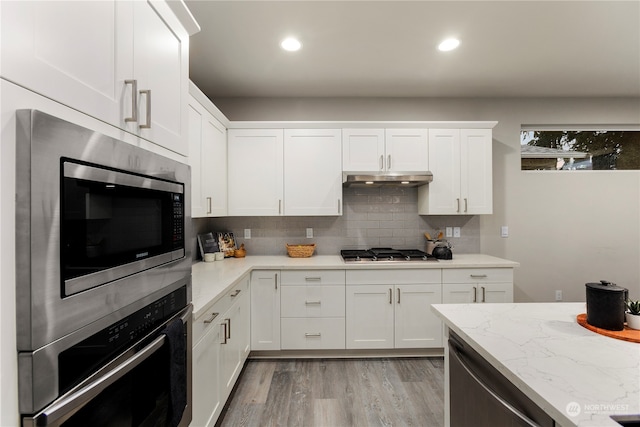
[{"x": 372, "y": 217}]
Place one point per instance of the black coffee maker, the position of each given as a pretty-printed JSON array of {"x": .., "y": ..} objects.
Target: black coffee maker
[{"x": 606, "y": 305}]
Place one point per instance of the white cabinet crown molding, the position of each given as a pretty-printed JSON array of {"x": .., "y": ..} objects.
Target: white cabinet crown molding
[{"x": 361, "y": 124}]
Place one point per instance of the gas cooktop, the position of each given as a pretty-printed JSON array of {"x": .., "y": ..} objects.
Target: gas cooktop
[{"x": 385, "y": 254}]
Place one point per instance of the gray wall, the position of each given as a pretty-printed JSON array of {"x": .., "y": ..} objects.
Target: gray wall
[{"x": 566, "y": 229}]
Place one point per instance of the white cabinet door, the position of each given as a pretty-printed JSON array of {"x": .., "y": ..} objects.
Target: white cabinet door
[
  {"x": 86, "y": 55},
  {"x": 312, "y": 172},
  {"x": 407, "y": 150},
  {"x": 206, "y": 377},
  {"x": 476, "y": 168},
  {"x": 255, "y": 174},
  {"x": 369, "y": 316},
  {"x": 208, "y": 161},
  {"x": 69, "y": 51},
  {"x": 265, "y": 310},
  {"x": 459, "y": 293},
  {"x": 161, "y": 61},
  {"x": 231, "y": 347},
  {"x": 443, "y": 193},
  {"x": 496, "y": 292},
  {"x": 416, "y": 326},
  {"x": 363, "y": 150},
  {"x": 461, "y": 163}
]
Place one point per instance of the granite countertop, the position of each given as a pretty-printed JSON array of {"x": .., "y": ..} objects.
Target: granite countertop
[
  {"x": 210, "y": 280},
  {"x": 577, "y": 376}
]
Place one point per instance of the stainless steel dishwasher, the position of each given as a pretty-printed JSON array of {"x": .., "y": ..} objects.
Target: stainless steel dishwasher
[{"x": 482, "y": 396}]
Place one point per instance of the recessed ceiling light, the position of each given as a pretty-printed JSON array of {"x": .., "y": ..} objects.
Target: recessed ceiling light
[
  {"x": 291, "y": 44},
  {"x": 448, "y": 44}
]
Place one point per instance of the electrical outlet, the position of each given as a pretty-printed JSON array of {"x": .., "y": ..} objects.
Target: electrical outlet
[
  {"x": 309, "y": 233},
  {"x": 504, "y": 231},
  {"x": 558, "y": 295},
  {"x": 448, "y": 231},
  {"x": 456, "y": 231},
  {"x": 247, "y": 233}
]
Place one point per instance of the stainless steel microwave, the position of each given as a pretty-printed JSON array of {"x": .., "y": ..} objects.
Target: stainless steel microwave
[{"x": 101, "y": 224}]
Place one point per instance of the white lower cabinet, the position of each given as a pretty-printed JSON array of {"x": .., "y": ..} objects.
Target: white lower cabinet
[
  {"x": 222, "y": 344},
  {"x": 391, "y": 309},
  {"x": 265, "y": 310},
  {"x": 477, "y": 285},
  {"x": 313, "y": 310}
]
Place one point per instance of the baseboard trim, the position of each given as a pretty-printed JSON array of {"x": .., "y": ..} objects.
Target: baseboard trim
[{"x": 346, "y": 354}]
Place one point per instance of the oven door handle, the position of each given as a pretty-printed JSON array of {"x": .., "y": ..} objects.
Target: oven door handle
[{"x": 62, "y": 409}]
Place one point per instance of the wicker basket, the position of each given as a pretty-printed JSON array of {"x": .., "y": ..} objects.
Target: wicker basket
[{"x": 301, "y": 251}]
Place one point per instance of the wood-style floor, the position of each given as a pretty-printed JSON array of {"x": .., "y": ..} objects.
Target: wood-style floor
[{"x": 338, "y": 393}]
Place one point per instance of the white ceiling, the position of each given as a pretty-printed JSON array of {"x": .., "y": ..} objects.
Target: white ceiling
[{"x": 388, "y": 48}]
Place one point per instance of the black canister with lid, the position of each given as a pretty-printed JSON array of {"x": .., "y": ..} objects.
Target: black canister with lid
[{"x": 606, "y": 305}]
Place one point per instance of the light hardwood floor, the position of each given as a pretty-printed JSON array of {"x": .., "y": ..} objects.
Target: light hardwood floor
[{"x": 338, "y": 393}]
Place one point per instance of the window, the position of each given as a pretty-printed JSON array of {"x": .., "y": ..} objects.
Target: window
[{"x": 579, "y": 149}]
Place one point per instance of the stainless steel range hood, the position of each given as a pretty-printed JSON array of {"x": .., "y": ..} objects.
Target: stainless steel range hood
[{"x": 388, "y": 179}]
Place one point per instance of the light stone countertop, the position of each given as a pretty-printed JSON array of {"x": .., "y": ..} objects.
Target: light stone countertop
[
  {"x": 211, "y": 280},
  {"x": 577, "y": 376}
]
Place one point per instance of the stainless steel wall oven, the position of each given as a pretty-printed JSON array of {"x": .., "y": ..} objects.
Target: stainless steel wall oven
[{"x": 102, "y": 272}]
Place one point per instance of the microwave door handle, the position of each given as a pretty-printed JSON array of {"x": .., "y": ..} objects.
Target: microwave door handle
[{"x": 67, "y": 406}]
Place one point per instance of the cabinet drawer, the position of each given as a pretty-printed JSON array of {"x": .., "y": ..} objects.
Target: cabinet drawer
[
  {"x": 393, "y": 277},
  {"x": 214, "y": 314},
  {"x": 312, "y": 301},
  {"x": 306, "y": 333},
  {"x": 477, "y": 275},
  {"x": 312, "y": 277}
]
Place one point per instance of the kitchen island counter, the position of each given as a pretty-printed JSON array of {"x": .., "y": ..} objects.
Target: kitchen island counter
[
  {"x": 212, "y": 279},
  {"x": 576, "y": 376}
]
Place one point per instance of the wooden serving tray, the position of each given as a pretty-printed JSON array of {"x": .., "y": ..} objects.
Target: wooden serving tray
[{"x": 628, "y": 334}]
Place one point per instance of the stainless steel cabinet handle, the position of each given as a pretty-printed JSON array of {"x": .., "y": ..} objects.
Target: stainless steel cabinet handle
[
  {"x": 209, "y": 205},
  {"x": 134, "y": 100},
  {"x": 339, "y": 205},
  {"x": 276, "y": 280},
  {"x": 224, "y": 332},
  {"x": 458, "y": 203},
  {"x": 465, "y": 205},
  {"x": 475, "y": 294},
  {"x": 211, "y": 319},
  {"x": 398, "y": 295},
  {"x": 228, "y": 322},
  {"x": 381, "y": 162},
  {"x": 456, "y": 353},
  {"x": 147, "y": 125},
  {"x": 235, "y": 294},
  {"x": 313, "y": 302},
  {"x": 312, "y": 278},
  {"x": 478, "y": 276},
  {"x": 279, "y": 206},
  {"x": 389, "y": 162},
  {"x": 390, "y": 296},
  {"x": 312, "y": 334},
  {"x": 482, "y": 287}
]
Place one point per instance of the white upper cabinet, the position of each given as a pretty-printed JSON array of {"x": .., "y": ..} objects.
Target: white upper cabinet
[
  {"x": 362, "y": 150},
  {"x": 385, "y": 150},
  {"x": 407, "y": 150},
  {"x": 125, "y": 63},
  {"x": 312, "y": 172},
  {"x": 461, "y": 163},
  {"x": 255, "y": 172},
  {"x": 276, "y": 172},
  {"x": 208, "y": 161}
]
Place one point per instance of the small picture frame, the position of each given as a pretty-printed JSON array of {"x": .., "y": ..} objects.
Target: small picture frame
[
  {"x": 207, "y": 244},
  {"x": 227, "y": 243}
]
